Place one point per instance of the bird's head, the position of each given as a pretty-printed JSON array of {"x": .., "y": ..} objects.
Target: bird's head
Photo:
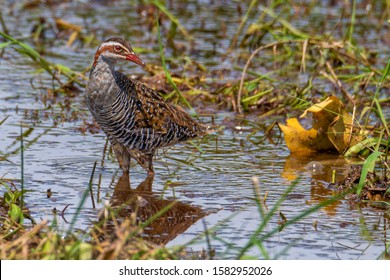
[{"x": 116, "y": 49}]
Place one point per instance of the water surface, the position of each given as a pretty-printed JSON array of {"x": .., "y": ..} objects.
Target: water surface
[{"x": 214, "y": 189}]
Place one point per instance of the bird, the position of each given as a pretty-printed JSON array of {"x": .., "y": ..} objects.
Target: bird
[{"x": 135, "y": 118}]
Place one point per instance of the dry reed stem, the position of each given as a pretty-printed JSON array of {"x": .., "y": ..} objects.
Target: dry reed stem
[
  {"x": 337, "y": 82},
  {"x": 7, "y": 247},
  {"x": 238, "y": 104},
  {"x": 304, "y": 50}
]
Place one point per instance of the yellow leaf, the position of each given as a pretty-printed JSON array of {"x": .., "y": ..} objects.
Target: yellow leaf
[
  {"x": 325, "y": 112},
  {"x": 318, "y": 107},
  {"x": 342, "y": 133},
  {"x": 330, "y": 130},
  {"x": 298, "y": 139}
]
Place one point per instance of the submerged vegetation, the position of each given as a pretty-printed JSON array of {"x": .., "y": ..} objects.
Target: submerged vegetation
[{"x": 275, "y": 62}]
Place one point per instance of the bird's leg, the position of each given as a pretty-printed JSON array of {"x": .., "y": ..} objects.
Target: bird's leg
[
  {"x": 123, "y": 157},
  {"x": 149, "y": 157},
  {"x": 145, "y": 159}
]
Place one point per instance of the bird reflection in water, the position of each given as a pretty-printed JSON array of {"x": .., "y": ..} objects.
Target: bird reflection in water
[{"x": 165, "y": 218}]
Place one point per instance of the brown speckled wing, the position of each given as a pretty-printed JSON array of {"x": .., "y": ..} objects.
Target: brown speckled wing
[
  {"x": 156, "y": 113},
  {"x": 151, "y": 107}
]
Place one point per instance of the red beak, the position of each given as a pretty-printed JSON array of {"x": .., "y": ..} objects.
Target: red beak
[{"x": 134, "y": 58}]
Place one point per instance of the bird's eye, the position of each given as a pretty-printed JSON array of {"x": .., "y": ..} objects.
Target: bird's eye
[{"x": 117, "y": 48}]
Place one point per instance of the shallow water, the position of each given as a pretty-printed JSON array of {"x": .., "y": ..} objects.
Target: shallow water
[{"x": 214, "y": 189}]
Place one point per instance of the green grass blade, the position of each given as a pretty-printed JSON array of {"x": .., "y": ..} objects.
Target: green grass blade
[
  {"x": 352, "y": 25},
  {"x": 368, "y": 166},
  {"x": 167, "y": 74},
  {"x": 304, "y": 214},
  {"x": 287, "y": 24},
  {"x": 267, "y": 217},
  {"x": 242, "y": 24},
  {"x": 381, "y": 115},
  {"x": 164, "y": 10},
  {"x": 29, "y": 51},
  {"x": 3, "y": 45},
  {"x": 82, "y": 201},
  {"x": 3, "y": 120},
  {"x": 385, "y": 72},
  {"x": 157, "y": 215},
  {"x": 21, "y": 165}
]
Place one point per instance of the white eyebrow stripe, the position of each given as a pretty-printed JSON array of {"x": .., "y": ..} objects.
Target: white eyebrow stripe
[{"x": 112, "y": 44}]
